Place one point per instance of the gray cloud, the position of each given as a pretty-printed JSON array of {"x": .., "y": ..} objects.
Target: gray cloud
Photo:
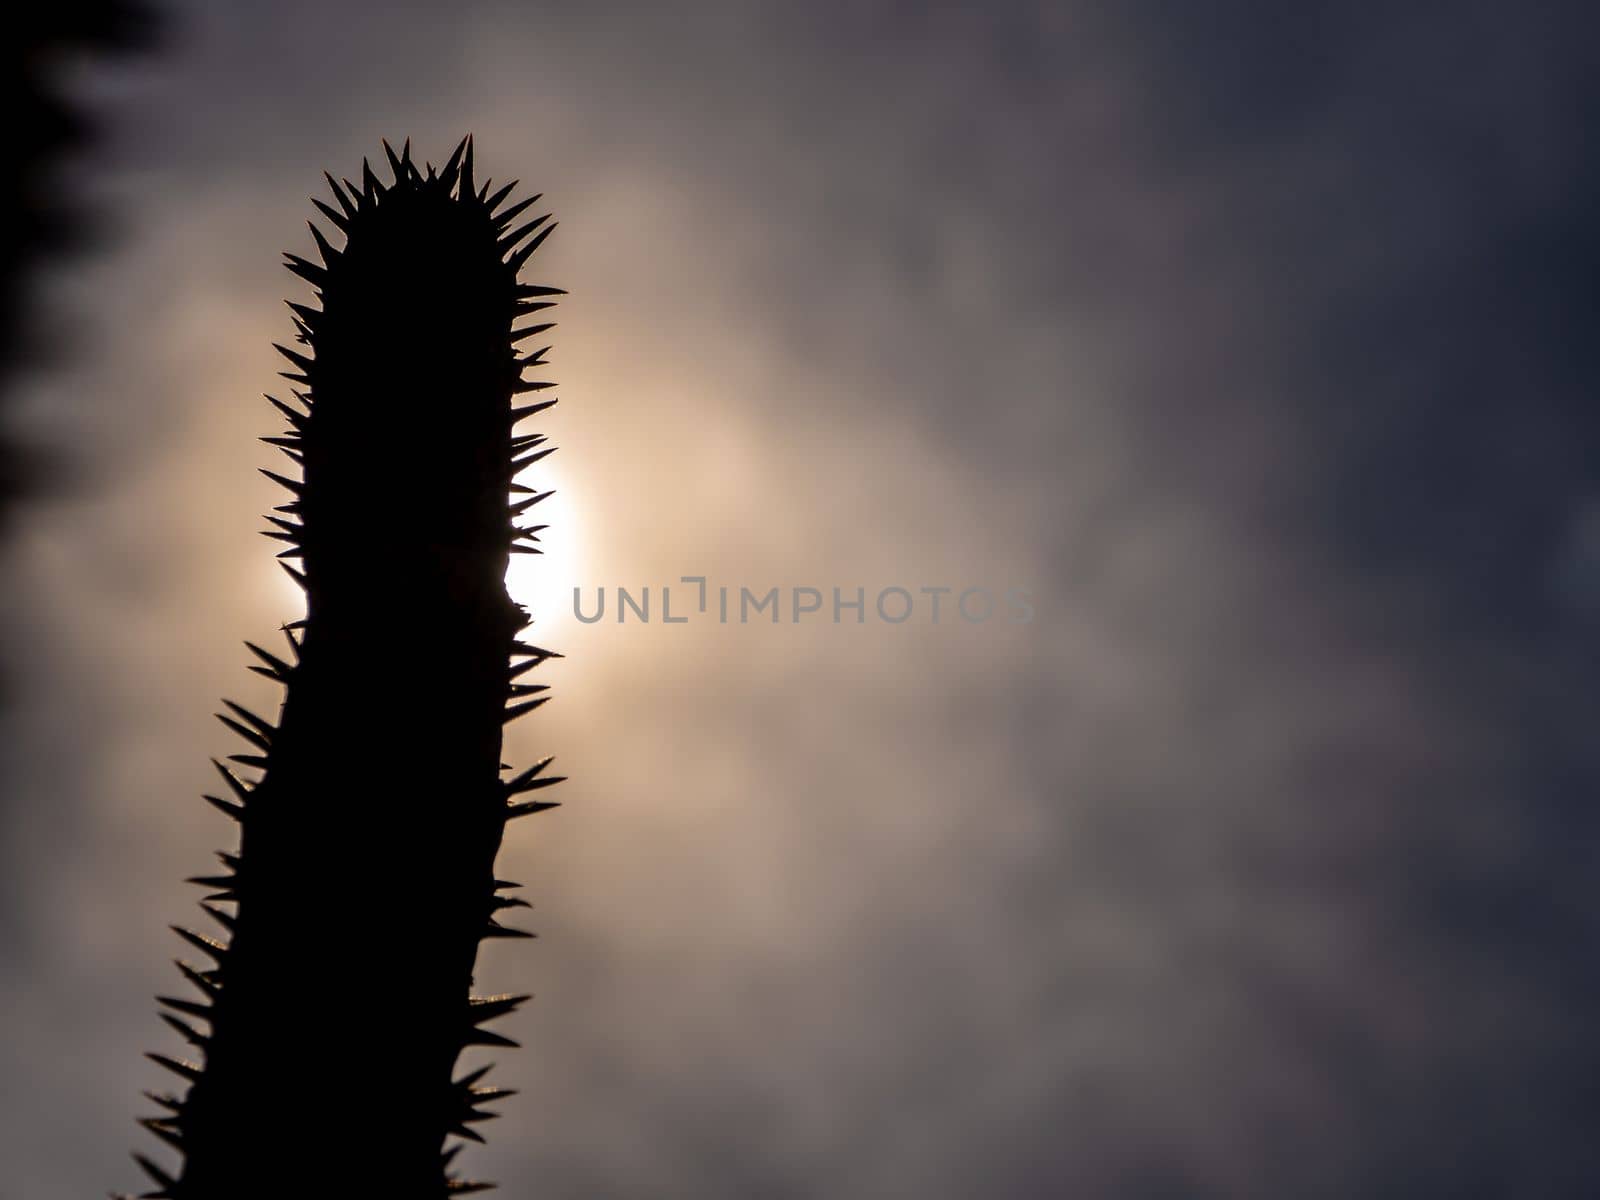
[{"x": 1253, "y": 866}]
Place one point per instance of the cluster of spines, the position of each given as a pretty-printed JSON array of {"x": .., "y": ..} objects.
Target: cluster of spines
[
  {"x": 468, "y": 1096},
  {"x": 516, "y": 244}
]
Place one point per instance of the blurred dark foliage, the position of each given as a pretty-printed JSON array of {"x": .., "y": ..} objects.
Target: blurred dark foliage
[{"x": 42, "y": 221}]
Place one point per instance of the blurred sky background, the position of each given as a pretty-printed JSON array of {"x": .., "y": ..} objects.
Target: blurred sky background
[{"x": 1255, "y": 339}]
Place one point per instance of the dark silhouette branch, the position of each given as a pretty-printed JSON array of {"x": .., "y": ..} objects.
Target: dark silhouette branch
[{"x": 364, "y": 882}]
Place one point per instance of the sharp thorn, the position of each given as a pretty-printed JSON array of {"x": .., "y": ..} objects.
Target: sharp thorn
[
  {"x": 329, "y": 254},
  {"x": 185, "y": 1030},
  {"x": 236, "y": 811},
  {"x": 272, "y": 660},
  {"x": 309, "y": 271},
  {"x": 339, "y": 220},
  {"x": 529, "y": 808},
  {"x": 521, "y": 710},
  {"x": 344, "y": 201},
  {"x": 201, "y": 943},
  {"x": 188, "y": 1070},
  {"x": 240, "y": 788}
]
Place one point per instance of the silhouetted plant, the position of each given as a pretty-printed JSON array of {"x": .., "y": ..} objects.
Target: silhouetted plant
[
  {"x": 43, "y": 219},
  {"x": 364, "y": 879}
]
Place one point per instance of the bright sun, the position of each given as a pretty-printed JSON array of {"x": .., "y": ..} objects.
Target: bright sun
[{"x": 542, "y": 583}]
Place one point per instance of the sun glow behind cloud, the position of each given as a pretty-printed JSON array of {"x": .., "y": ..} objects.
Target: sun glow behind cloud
[{"x": 542, "y": 583}]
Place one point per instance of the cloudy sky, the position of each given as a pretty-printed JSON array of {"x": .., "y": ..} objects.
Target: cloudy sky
[{"x": 1253, "y": 340}]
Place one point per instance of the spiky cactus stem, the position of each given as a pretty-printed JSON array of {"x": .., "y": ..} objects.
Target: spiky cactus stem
[{"x": 364, "y": 880}]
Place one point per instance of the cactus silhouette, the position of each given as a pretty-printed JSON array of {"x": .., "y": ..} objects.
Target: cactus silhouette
[{"x": 364, "y": 879}]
